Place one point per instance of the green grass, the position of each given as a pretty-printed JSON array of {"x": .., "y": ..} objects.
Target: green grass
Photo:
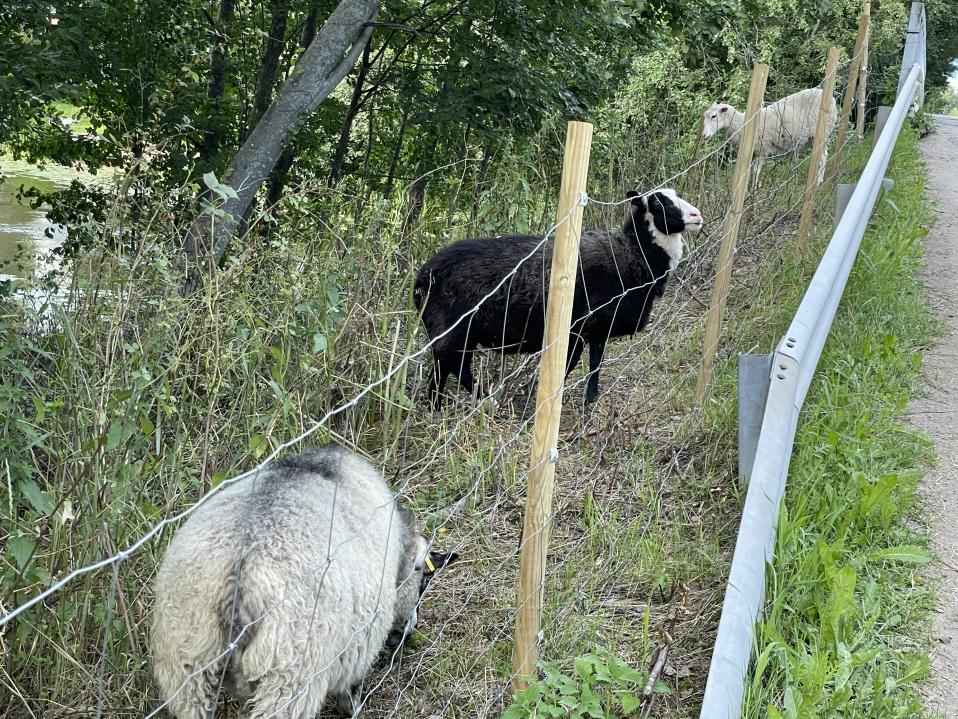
[
  {"x": 118, "y": 419},
  {"x": 846, "y": 624}
]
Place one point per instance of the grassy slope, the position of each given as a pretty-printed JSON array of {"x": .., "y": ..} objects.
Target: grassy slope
[
  {"x": 646, "y": 506},
  {"x": 846, "y": 631}
]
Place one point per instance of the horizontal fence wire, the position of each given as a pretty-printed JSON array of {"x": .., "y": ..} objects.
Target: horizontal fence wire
[{"x": 486, "y": 504}]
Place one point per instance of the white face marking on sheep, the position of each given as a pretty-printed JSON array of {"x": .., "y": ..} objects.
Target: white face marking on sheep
[
  {"x": 716, "y": 118},
  {"x": 672, "y": 243}
]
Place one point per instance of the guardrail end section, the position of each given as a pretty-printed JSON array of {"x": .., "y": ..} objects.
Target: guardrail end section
[{"x": 754, "y": 375}]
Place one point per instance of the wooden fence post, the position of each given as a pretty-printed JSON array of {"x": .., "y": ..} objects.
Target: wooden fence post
[
  {"x": 723, "y": 265},
  {"x": 808, "y": 205},
  {"x": 545, "y": 433},
  {"x": 862, "y": 96},
  {"x": 850, "y": 90}
]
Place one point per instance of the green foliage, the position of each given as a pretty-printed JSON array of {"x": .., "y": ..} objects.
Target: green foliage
[
  {"x": 481, "y": 76},
  {"x": 30, "y": 64},
  {"x": 845, "y": 626},
  {"x": 923, "y": 122},
  {"x": 602, "y": 687},
  {"x": 130, "y": 402},
  {"x": 944, "y": 101},
  {"x": 942, "y": 18}
]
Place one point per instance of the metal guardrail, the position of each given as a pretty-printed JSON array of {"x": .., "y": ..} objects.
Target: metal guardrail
[
  {"x": 793, "y": 365},
  {"x": 915, "y": 52}
]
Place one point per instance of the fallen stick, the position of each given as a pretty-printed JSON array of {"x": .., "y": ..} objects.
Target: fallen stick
[
  {"x": 655, "y": 673},
  {"x": 648, "y": 695}
]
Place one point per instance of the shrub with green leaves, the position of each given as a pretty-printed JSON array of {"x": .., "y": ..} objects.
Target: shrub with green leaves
[{"x": 602, "y": 687}]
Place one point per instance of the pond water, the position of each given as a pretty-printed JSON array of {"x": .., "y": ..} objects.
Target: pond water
[{"x": 26, "y": 236}]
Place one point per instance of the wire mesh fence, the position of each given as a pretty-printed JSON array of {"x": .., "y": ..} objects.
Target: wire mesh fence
[{"x": 639, "y": 530}]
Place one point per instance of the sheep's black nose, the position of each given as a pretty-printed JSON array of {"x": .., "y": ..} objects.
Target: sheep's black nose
[{"x": 395, "y": 638}]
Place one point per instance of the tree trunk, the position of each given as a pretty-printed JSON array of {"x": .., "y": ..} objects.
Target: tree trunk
[
  {"x": 477, "y": 187},
  {"x": 216, "y": 87},
  {"x": 416, "y": 195},
  {"x": 278, "y": 178},
  {"x": 279, "y": 13},
  {"x": 309, "y": 29},
  {"x": 339, "y": 154},
  {"x": 321, "y": 68},
  {"x": 280, "y": 174},
  {"x": 397, "y": 151},
  {"x": 416, "y": 198}
]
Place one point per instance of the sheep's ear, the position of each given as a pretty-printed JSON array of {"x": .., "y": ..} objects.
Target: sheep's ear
[
  {"x": 635, "y": 197},
  {"x": 724, "y": 108},
  {"x": 437, "y": 560}
]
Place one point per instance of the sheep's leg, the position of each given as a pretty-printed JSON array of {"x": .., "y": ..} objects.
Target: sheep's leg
[
  {"x": 596, "y": 350},
  {"x": 756, "y": 171},
  {"x": 576, "y": 345},
  {"x": 464, "y": 372},
  {"x": 187, "y": 666},
  {"x": 821, "y": 166},
  {"x": 437, "y": 383},
  {"x": 192, "y": 697},
  {"x": 284, "y": 695}
]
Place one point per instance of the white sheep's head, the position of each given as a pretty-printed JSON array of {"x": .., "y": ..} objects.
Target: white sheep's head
[{"x": 716, "y": 118}]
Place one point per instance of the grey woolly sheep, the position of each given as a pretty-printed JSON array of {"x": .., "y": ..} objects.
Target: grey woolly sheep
[
  {"x": 620, "y": 273},
  {"x": 287, "y": 584},
  {"x": 784, "y": 126}
]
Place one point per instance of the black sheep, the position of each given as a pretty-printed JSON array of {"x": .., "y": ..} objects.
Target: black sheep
[{"x": 620, "y": 273}]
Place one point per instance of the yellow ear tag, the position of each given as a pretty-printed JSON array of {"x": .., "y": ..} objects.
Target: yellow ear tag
[{"x": 429, "y": 565}]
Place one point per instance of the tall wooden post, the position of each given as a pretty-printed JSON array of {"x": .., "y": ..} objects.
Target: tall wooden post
[
  {"x": 808, "y": 205},
  {"x": 850, "y": 90},
  {"x": 545, "y": 433},
  {"x": 862, "y": 96},
  {"x": 723, "y": 267}
]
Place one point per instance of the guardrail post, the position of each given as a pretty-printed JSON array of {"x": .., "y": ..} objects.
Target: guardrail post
[
  {"x": 723, "y": 265},
  {"x": 914, "y": 52},
  {"x": 545, "y": 431},
  {"x": 754, "y": 376},
  {"x": 843, "y": 193},
  {"x": 880, "y": 119},
  {"x": 818, "y": 152}
]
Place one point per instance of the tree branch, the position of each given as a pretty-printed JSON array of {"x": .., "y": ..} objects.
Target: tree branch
[{"x": 321, "y": 67}]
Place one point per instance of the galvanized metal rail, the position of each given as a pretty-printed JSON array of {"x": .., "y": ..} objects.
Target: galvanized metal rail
[{"x": 793, "y": 365}]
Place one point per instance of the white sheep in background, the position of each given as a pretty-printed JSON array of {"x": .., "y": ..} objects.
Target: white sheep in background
[
  {"x": 787, "y": 125},
  {"x": 287, "y": 584}
]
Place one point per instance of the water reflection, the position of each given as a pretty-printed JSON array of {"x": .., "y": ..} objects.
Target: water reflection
[{"x": 26, "y": 236}]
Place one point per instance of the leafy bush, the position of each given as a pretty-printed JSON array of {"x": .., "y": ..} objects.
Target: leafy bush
[
  {"x": 603, "y": 687},
  {"x": 923, "y": 122}
]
